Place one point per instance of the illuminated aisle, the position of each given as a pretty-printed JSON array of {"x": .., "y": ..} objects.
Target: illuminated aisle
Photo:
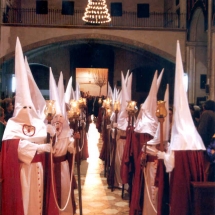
[{"x": 97, "y": 199}]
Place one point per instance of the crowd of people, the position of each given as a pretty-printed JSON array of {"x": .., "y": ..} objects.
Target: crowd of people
[
  {"x": 157, "y": 173},
  {"x": 136, "y": 160},
  {"x": 6, "y": 112}
]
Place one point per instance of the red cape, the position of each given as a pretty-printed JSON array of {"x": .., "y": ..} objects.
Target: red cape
[
  {"x": 188, "y": 167},
  {"x": 11, "y": 186}
]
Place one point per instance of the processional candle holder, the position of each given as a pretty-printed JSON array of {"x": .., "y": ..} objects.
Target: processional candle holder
[
  {"x": 161, "y": 113},
  {"x": 100, "y": 100},
  {"x": 74, "y": 117},
  {"x": 106, "y": 125},
  {"x": 132, "y": 110},
  {"x": 82, "y": 106},
  {"x": 74, "y": 114},
  {"x": 116, "y": 109},
  {"x": 49, "y": 112}
]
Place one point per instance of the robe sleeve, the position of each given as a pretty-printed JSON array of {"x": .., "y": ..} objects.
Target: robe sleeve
[
  {"x": 169, "y": 161},
  {"x": 26, "y": 151}
]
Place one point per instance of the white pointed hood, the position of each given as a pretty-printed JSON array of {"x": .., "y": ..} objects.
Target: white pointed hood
[
  {"x": 36, "y": 95},
  {"x": 166, "y": 124},
  {"x": 184, "y": 134},
  {"x": 122, "y": 121},
  {"x": 110, "y": 92},
  {"x": 26, "y": 123},
  {"x": 54, "y": 95},
  {"x": 61, "y": 94},
  {"x": 77, "y": 92},
  {"x": 146, "y": 120},
  {"x": 69, "y": 91}
]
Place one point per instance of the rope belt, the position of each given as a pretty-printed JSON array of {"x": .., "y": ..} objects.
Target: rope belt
[
  {"x": 151, "y": 158},
  {"x": 59, "y": 159}
]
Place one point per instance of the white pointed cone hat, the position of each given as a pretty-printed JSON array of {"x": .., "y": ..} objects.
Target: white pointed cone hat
[
  {"x": 160, "y": 78},
  {"x": 36, "y": 95},
  {"x": 54, "y": 95},
  {"x": 122, "y": 121},
  {"x": 25, "y": 112},
  {"x": 146, "y": 120},
  {"x": 77, "y": 92},
  {"x": 129, "y": 86},
  {"x": 68, "y": 94},
  {"x": 166, "y": 124},
  {"x": 184, "y": 134},
  {"x": 109, "y": 92},
  {"x": 61, "y": 94}
]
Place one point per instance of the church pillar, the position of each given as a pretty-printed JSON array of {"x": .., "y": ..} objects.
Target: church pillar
[
  {"x": 210, "y": 72},
  {"x": 190, "y": 69}
]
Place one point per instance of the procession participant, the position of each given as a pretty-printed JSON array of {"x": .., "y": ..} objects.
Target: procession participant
[
  {"x": 121, "y": 168},
  {"x": 145, "y": 128},
  {"x": 22, "y": 149},
  {"x": 155, "y": 199},
  {"x": 63, "y": 143},
  {"x": 185, "y": 159},
  {"x": 2, "y": 125}
]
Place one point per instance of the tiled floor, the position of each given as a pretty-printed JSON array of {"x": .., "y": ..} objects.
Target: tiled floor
[{"x": 97, "y": 199}]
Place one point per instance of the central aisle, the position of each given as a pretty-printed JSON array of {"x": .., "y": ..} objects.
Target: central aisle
[{"x": 97, "y": 199}]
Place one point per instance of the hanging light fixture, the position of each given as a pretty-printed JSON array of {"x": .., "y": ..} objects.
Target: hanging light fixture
[{"x": 96, "y": 12}]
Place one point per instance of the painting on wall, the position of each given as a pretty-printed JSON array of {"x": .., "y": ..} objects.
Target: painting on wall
[{"x": 93, "y": 81}]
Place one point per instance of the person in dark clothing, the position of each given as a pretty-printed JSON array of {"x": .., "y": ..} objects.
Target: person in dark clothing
[
  {"x": 206, "y": 129},
  {"x": 2, "y": 125},
  {"x": 9, "y": 108}
]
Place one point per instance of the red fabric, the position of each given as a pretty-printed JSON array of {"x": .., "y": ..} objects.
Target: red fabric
[
  {"x": 111, "y": 175},
  {"x": 49, "y": 206},
  {"x": 85, "y": 152},
  {"x": 74, "y": 183},
  {"x": 188, "y": 167},
  {"x": 136, "y": 203},
  {"x": 99, "y": 120},
  {"x": 104, "y": 150},
  {"x": 162, "y": 182},
  {"x": 11, "y": 186},
  {"x": 125, "y": 166}
]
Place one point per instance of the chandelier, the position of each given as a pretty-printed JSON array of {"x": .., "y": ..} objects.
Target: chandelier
[{"x": 96, "y": 12}]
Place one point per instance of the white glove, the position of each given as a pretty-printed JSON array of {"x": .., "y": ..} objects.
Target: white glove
[
  {"x": 43, "y": 147},
  {"x": 115, "y": 124},
  {"x": 161, "y": 155},
  {"x": 50, "y": 129},
  {"x": 71, "y": 132}
]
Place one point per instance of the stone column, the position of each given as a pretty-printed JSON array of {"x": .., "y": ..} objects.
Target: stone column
[{"x": 190, "y": 69}]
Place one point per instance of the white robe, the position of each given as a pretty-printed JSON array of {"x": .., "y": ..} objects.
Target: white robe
[
  {"x": 60, "y": 148},
  {"x": 31, "y": 177}
]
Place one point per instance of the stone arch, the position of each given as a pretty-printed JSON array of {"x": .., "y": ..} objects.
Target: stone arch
[
  {"x": 197, "y": 12},
  {"x": 116, "y": 41}
]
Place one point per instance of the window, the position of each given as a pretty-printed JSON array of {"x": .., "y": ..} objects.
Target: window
[
  {"x": 142, "y": 10},
  {"x": 116, "y": 9},
  {"x": 67, "y": 7}
]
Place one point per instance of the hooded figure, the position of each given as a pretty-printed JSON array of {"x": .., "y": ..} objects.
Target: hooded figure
[
  {"x": 147, "y": 120},
  {"x": 63, "y": 143},
  {"x": 122, "y": 120},
  {"x": 185, "y": 158},
  {"x": 151, "y": 190},
  {"x": 122, "y": 124},
  {"x": 144, "y": 130},
  {"x": 23, "y": 147}
]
